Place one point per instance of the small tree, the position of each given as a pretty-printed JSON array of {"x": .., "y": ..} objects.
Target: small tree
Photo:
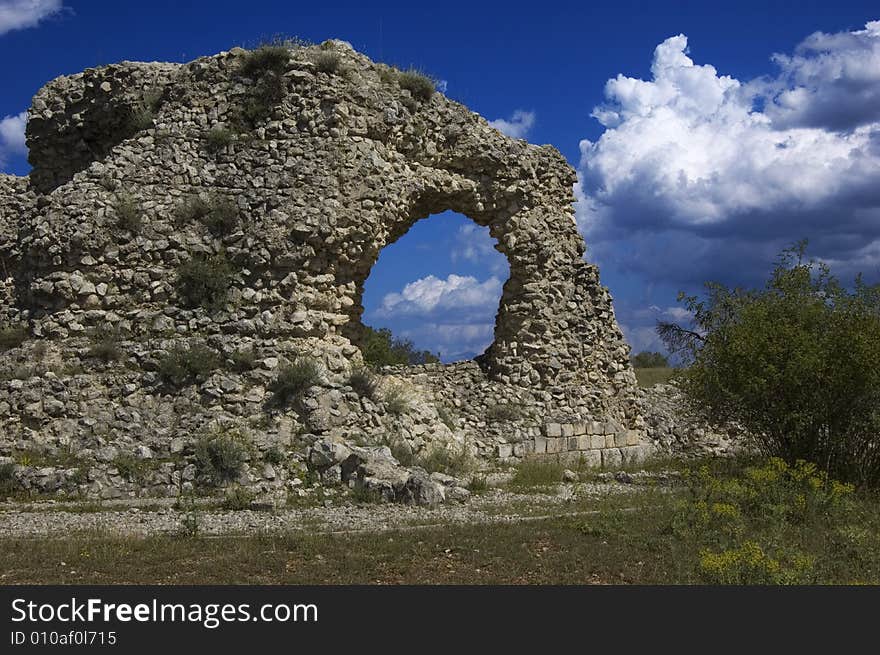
[
  {"x": 381, "y": 348},
  {"x": 795, "y": 363}
]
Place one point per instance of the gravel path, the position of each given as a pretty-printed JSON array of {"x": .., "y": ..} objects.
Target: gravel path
[{"x": 157, "y": 517}]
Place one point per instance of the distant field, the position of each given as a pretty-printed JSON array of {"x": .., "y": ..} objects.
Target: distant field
[{"x": 648, "y": 377}]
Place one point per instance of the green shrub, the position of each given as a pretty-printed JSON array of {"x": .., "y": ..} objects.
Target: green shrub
[
  {"x": 396, "y": 400},
  {"x": 140, "y": 117},
  {"x": 274, "y": 456},
  {"x": 293, "y": 381},
  {"x": 220, "y": 456},
  {"x": 417, "y": 83},
  {"x": 130, "y": 467},
  {"x": 794, "y": 363},
  {"x": 218, "y": 138},
  {"x": 183, "y": 365},
  {"x": 105, "y": 346},
  {"x": 218, "y": 213},
  {"x": 266, "y": 67},
  {"x": 204, "y": 281},
  {"x": 191, "y": 208},
  {"x": 443, "y": 460},
  {"x": 531, "y": 473},
  {"x": 328, "y": 62},
  {"x": 364, "y": 382},
  {"x": 381, "y": 348},
  {"x": 268, "y": 58},
  {"x": 238, "y": 498},
  {"x": 503, "y": 412},
  {"x": 244, "y": 359},
  {"x": 8, "y": 483},
  {"x": 128, "y": 213},
  {"x": 12, "y": 336},
  {"x": 222, "y": 216}
]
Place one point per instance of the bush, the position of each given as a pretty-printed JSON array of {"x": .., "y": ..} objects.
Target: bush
[
  {"x": 503, "y": 412},
  {"x": 218, "y": 138},
  {"x": 204, "y": 281},
  {"x": 274, "y": 455},
  {"x": 8, "y": 483},
  {"x": 218, "y": 213},
  {"x": 380, "y": 348},
  {"x": 417, "y": 83},
  {"x": 184, "y": 365},
  {"x": 293, "y": 381},
  {"x": 364, "y": 382},
  {"x": 396, "y": 400},
  {"x": 220, "y": 456},
  {"x": 445, "y": 461},
  {"x": 140, "y": 117},
  {"x": 128, "y": 213},
  {"x": 130, "y": 467},
  {"x": 647, "y": 359},
  {"x": 244, "y": 359},
  {"x": 794, "y": 363},
  {"x": 328, "y": 62},
  {"x": 105, "y": 346},
  {"x": 266, "y": 67},
  {"x": 238, "y": 498},
  {"x": 12, "y": 336},
  {"x": 268, "y": 58}
]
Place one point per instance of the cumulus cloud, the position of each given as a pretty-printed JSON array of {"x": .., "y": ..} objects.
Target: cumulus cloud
[
  {"x": 12, "y": 136},
  {"x": 454, "y": 316},
  {"x": 21, "y": 14},
  {"x": 831, "y": 81},
  {"x": 430, "y": 295},
  {"x": 517, "y": 126},
  {"x": 699, "y": 175},
  {"x": 474, "y": 244}
]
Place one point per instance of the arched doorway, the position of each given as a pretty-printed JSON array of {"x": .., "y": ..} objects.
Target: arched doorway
[{"x": 438, "y": 287}]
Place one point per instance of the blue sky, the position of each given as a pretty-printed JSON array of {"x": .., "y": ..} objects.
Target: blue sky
[{"x": 700, "y": 161}]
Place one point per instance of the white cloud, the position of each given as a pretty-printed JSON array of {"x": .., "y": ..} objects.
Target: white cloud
[
  {"x": 701, "y": 174},
  {"x": 12, "y": 140},
  {"x": 431, "y": 294},
  {"x": 473, "y": 243},
  {"x": 831, "y": 81},
  {"x": 518, "y": 126},
  {"x": 21, "y": 14}
]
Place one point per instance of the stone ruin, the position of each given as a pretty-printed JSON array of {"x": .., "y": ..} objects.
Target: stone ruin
[{"x": 318, "y": 163}]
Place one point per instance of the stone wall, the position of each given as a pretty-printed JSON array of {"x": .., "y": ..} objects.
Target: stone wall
[{"x": 341, "y": 162}]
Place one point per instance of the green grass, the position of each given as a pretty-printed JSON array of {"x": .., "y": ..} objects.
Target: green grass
[
  {"x": 767, "y": 523},
  {"x": 534, "y": 473},
  {"x": 648, "y": 377}
]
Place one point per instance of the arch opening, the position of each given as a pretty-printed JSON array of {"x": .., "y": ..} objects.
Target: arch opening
[{"x": 437, "y": 288}]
